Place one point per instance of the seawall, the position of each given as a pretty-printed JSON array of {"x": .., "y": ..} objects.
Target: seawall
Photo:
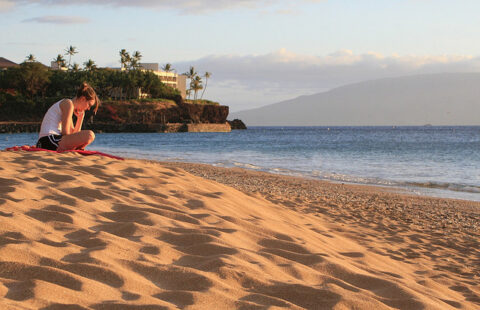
[{"x": 18, "y": 127}]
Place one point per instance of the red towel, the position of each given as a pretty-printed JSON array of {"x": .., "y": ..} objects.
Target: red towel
[{"x": 83, "y": 152}]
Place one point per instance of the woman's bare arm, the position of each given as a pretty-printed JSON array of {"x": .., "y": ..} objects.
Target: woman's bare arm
[
  {"x": 78, "y": 124},
  {"x": 66, "y": 106}
]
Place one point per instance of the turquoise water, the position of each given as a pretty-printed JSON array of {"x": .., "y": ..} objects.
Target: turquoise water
[{"x": 437, "y": 161}]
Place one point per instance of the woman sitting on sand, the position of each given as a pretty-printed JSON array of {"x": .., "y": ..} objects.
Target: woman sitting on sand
[{"x": 57, "y": 132}]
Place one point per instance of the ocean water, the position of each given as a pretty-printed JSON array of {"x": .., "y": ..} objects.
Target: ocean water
[{"x": 434, "y": 161}]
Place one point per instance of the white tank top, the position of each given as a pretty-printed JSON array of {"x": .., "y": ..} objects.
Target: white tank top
[{"x": 52, "y": 121}]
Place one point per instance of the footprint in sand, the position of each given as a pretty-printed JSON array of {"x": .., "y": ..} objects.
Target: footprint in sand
[
  {"x": 7, "y": 185},
  {"x": 24, "y": 272},
  {"x": 20, "y": 290},
  {"x": 353, "y": 254},
  {"x": 290, "y": 251},
  {"x": 46, "y": 216},
  {"x": 133, "y": 216},
  {"x": 180, "y": 299},
  {"x": 57, "y": 178},
  {"x": 4, "y": 214},
  {"x": 12, "y": 238},
  {"x": 288, "y": 295},
  {"x": 108, "y": 305},
  {"x": 130, "y": 296},
  {"x": 150, "y": 249},
  {"x": 172, "y": 278},
  {"x": 57, "y": 306},
  {"x": 86, "y": 194},
  {"x": 195, "y": 204}
]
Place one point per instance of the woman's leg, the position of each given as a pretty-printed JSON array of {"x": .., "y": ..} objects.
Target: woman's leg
[{"x": 76, "y": 141}]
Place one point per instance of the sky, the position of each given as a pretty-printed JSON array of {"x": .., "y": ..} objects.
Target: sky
[{"x": 258, "y": 51}]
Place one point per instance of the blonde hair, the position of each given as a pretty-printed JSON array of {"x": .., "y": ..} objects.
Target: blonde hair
[{"x": 87, "y": 91}]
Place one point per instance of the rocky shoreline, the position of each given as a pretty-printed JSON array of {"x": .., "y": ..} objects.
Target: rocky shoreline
[{"x": 27, "y": 127}]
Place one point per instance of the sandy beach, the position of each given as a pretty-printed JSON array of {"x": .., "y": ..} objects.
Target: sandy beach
[{"x": 90, "y": 232}]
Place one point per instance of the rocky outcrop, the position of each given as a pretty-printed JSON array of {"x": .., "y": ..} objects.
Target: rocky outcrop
[
  {"x": 199, "y": 113},
  {"x": 158, "y": 116},
  {"x": 17, "y": 127},
  {"x": 237, "y": 124},
  {"x": 160, "y": 112},
  {"x": 158, "y": 127},
  {"x": 136, "y": 127}
]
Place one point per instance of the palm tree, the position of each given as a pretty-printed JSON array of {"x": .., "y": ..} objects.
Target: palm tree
[
  {"x": 90, "y": 65},
  {"x": 207, "y": 76},
  {"x": 135, "y": 61},
  {"x": 124, "y": 58},
  {"x": 196, "y": 85},
  {"x": 167, "y": 67},
  {"x": 30, "y": 58},
  {"x": 190, "y": 74},
  {"x": 75, "y": 67},
  {"x": 60, "y": 61},
  {"x": 70, "y": 51}
]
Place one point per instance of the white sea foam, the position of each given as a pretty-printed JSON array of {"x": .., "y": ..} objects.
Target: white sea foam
[{"x": 435, "y": 160}]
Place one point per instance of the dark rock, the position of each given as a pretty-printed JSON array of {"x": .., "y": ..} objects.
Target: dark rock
[
  {"x": 237, "y": 124},
  {"x": 17, "y": 127},
  {"x": 136, "y": 116},
  {"x": 161, "y": 112}
]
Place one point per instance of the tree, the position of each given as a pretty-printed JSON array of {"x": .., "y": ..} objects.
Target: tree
[
  {"x": 34, "y": 78},
  {"x": 124, "y": 58},
  {"x": 75, "y": 67},
  {"x": 196, "y": 85},
  {"x": 60, "y": 61},
  {"x": 135, "y": 60},
  {"x": 167, "y": 67},
  {"x": 30, "y": 58},
  {"x": 207, "y": 76},
  {"x": 70, "y": 51},
  {"x": 190, "y": 74},
  {"x": 90, "y": 65}
]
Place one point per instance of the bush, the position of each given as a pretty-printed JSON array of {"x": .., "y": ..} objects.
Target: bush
[{"x": 38, "y": 88}]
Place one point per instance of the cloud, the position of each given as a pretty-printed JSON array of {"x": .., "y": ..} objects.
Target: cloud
[
  {"x": 183, "y": 6},
  {"x": 6, "y": 5},
  {"x": 289, "y": 74},
  {"x": 57, "y": 20}
]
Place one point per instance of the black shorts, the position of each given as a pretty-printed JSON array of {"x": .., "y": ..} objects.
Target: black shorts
[{"x": 49, "y": 142}]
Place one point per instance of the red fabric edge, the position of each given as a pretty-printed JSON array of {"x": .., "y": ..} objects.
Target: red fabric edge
[{"x": 83, "y": 152}]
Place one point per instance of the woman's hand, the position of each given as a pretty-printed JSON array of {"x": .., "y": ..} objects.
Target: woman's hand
[{"x": 78, "y": 113}]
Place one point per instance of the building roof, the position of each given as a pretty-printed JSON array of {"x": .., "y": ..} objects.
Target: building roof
[{"x": 5, "y": 63}]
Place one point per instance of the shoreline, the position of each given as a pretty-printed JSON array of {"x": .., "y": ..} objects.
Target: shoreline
[
  {"x": 107, "y": 234},
  {"x": 456, "y": 182},
  {"x": 408, "y": 188},
  {"x": 274, "y": 187}
]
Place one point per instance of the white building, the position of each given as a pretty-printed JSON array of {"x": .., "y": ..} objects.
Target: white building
[
  {"x": 54, "y": 66},
  {"x": 177, "y": 81}
]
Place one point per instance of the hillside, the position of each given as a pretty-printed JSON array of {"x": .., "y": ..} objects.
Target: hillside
[{"x": 437, "y": 99}]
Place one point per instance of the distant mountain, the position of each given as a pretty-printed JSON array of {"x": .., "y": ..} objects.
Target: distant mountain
[{"x": 437, "y": 99}]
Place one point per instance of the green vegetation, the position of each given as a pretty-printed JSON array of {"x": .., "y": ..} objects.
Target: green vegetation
[
  {"x": 202, "y": 102},
  {"x": 130, "y": 62},
  {"x": 167, "y": 67},
  {"x": 28, "y": 90},
  {"x": 30, "y": 58},
  {"x": 196, "y": 83},
  {"x": 70, "y": 51}
]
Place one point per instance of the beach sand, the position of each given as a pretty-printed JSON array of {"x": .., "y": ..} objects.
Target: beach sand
[{"x": 97, "y": 233}]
